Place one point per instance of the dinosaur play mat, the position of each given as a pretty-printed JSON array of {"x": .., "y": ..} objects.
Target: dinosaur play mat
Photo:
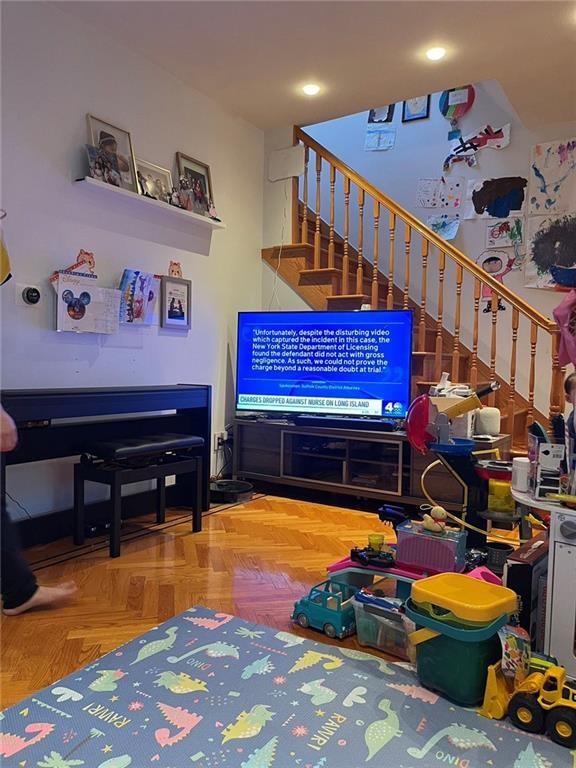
[{"x": 208, "y": 690}]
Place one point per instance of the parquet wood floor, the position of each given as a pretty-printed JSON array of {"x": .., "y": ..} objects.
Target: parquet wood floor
[{"x": 251, "y": 560}]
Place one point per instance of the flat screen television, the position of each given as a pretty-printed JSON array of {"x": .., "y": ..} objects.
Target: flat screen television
[{"x": 340, "y": 363}]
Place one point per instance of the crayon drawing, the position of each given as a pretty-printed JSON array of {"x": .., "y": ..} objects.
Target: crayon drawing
[
  {"x": 552, "y": 187},
  {"x": 505, "y": 234}
]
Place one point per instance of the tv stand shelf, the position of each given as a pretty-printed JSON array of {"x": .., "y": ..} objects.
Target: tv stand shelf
[{"x": 377, "y": 465}]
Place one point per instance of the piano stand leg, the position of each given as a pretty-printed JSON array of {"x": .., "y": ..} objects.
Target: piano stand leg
[{"x": 116, "y": 498}]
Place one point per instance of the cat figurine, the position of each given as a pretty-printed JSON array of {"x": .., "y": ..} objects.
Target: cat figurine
[{"x": 175, "y": 269}]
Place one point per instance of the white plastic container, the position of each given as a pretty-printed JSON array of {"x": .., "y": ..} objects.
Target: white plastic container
[{"x": 521, "y": 474}]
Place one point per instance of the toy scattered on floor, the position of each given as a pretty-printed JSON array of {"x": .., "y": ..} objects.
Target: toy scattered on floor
[
  {"x": 435, "y": 522},
  {"x": 381, "y": 623},
  {"x": 542, "y": 702},
  {"x": 372, "y": 557},
  {"x": 327, "y": 607},
  {"x": 428, "y": 552}
]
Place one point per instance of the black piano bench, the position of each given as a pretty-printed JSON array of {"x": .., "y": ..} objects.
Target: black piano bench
[{"x": 131, "y": 461}]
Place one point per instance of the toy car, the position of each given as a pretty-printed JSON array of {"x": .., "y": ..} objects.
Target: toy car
[
  {"x": 328, "y": 608},
  {"x": 372, "y": 557}
]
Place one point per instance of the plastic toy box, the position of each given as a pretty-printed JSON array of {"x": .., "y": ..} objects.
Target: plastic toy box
[
  {"x": 458, "y": 620},
  {"x": 380, "y": 627},
  {"x": 430, "y": 552}
]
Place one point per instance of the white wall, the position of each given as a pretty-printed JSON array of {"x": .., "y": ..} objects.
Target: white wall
[
  {"x": 54, "y": 71},
  {"x": 419, "y": 153}
]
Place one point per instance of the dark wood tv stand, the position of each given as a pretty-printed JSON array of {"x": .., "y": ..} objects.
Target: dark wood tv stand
[{"x": 362, "y": 463}]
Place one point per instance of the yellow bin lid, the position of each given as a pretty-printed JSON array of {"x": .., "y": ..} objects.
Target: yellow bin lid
[{"x": 465, "y": 597}]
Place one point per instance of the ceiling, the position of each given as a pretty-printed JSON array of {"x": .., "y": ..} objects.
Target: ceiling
[{"x": 252, "y": 57}]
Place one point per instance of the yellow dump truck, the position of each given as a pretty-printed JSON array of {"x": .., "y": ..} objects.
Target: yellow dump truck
[{"x": 542, "y": 702}]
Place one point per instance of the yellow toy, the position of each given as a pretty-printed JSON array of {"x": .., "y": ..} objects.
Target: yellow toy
[
  {"x": 541, "y": 702},
  {"x": 436, "y": 520}
]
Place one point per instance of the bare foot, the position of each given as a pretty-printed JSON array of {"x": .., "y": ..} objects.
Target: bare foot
[{"x": 46, "y": 597}]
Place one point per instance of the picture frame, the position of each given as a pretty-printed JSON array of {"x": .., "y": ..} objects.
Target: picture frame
[
  {"x": 381, "y": 114},
  {"x": 175, "y": 303},
  {"x": 153, "y": 180},
  {"x": 195, "y": 184},
  {"x": 417, "y": 108},
  {"x": 115, "y": 147}
]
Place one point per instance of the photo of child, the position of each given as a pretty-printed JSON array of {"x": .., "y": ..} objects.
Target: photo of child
[{"x": 116, "y": 157}]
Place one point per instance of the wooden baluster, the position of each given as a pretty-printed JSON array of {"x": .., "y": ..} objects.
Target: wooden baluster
[
  {"x": 532, "y": 377},
  {"x": 494, "y": 303},
  {"x": 392, "y": 230},
  {"x": 304, "y": 230},
  {"x": 346, "y": 256},
  {"x": 376, "y": 247},
  {"x": 331, "y": 236},
  {"x": 407, "y": 247},
  {"x": 317, "y": 235},
  {"x": 360, "y": 268},
  {"x": 439, "y": 329},
  {"x": 512, "y": 392},
  {"x": 422, "y": 323},
  {"x": 455, "y": 374},
  {"x": 474, "y": 362},
  {"x": 557, "y": 375}
]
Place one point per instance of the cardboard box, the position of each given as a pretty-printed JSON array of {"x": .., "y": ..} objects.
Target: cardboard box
[{"x": 523, "y": 572}]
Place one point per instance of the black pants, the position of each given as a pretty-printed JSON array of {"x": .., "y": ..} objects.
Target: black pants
[{"x": 17, "y": 580}]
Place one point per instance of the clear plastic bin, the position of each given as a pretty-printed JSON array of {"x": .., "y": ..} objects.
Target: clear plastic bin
[{"x": 381, "y": 628}]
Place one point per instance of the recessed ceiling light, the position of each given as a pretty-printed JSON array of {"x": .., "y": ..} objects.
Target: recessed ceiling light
[
  {"x": 435, "y": 54},
  {"x": 311, "y": 89}
]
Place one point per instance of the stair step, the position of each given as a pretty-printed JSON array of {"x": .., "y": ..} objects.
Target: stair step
[
  {"x": 323, "y": 276},
  {"x": 349, "y": 301}
]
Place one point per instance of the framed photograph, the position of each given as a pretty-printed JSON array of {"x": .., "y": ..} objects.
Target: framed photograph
[
  {"x": 154, "y": 181},
  {"x": 195, "y": 184},
  {"x": 176, "y": 303},
  {"x": 416, "y": 109},
  {"x": 115, "y": 147}
]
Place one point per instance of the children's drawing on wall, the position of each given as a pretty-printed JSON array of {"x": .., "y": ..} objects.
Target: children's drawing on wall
[
  {"x": 552, "y": 187},
  {"x": 454, "y": 104},
  {"x": 379, "y": 135},
  {"x": 485, "y": 138},
  {"x": 551, "y": 251},
  {"x": 498, "y": 264},
  {"x": 444, "y": 225},
  {"x": 496, "y": 198},
  {"x": 440, "y": 193},
  {"x": 505, "y": 234}
]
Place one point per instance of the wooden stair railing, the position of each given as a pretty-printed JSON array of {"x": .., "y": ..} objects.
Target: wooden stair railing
[{"x": 384, "y": 281}]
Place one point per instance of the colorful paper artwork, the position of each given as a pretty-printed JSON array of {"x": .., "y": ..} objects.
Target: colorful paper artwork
[
  {"x": 505, "y": 234},
  {"x": 444, "y": 225},
  {"x": 497, "y": 264},
  {"x": 486, "y": 138},
  {"x": 139, "y": 297},
  {"x": 496, "y": 198},
  {"x": 552, "y": 187},
  {"x": 551, "y": 242},
  {"x": 440, "y": 193},
  {"x": 454, "y": 104}
]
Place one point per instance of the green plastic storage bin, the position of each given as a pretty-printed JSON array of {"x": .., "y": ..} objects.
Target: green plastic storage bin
[{"x": 456, "y": 662}]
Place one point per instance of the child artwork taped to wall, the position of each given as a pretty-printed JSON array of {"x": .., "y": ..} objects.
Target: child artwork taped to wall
[
  {"x": 495, "y": 198},
  {"x": 440, "y": 193},
  {"x": 552, "y": 187},
  {"x": 379, "y": 138},
  {"x": 551, "y": 243},
  {"x": 497, "y": 264},
  {"x": 505, "y": 234},
  {"x": 444, "y": 225},
  {"x": 485, "y": 138}
]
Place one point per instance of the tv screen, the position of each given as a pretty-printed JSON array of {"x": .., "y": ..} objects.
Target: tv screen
[{"x": 341, "y": 363}]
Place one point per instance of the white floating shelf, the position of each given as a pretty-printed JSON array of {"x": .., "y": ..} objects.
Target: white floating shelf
[{"x": 158, "y": 205}]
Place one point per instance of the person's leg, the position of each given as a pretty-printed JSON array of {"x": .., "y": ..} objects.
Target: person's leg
[{"x": 17, "y": 580}]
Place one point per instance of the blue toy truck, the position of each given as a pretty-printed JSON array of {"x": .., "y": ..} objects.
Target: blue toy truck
[{"x": 328, "y": 608}]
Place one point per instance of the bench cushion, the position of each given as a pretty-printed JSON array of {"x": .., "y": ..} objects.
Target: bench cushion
[{"x": 154, "y": 445}]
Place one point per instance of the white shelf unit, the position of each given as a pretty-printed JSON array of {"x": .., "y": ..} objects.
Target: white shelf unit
[{"x": 159, "y": 205}]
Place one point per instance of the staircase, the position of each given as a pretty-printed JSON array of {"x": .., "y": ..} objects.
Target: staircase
[{"x": 411, "y": 267}]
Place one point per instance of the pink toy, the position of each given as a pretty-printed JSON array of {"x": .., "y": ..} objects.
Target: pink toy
[{"x": 485, "y": 574}]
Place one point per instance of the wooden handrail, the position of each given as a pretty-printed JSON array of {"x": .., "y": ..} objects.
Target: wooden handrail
[{"x": 445, "y": 247}]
